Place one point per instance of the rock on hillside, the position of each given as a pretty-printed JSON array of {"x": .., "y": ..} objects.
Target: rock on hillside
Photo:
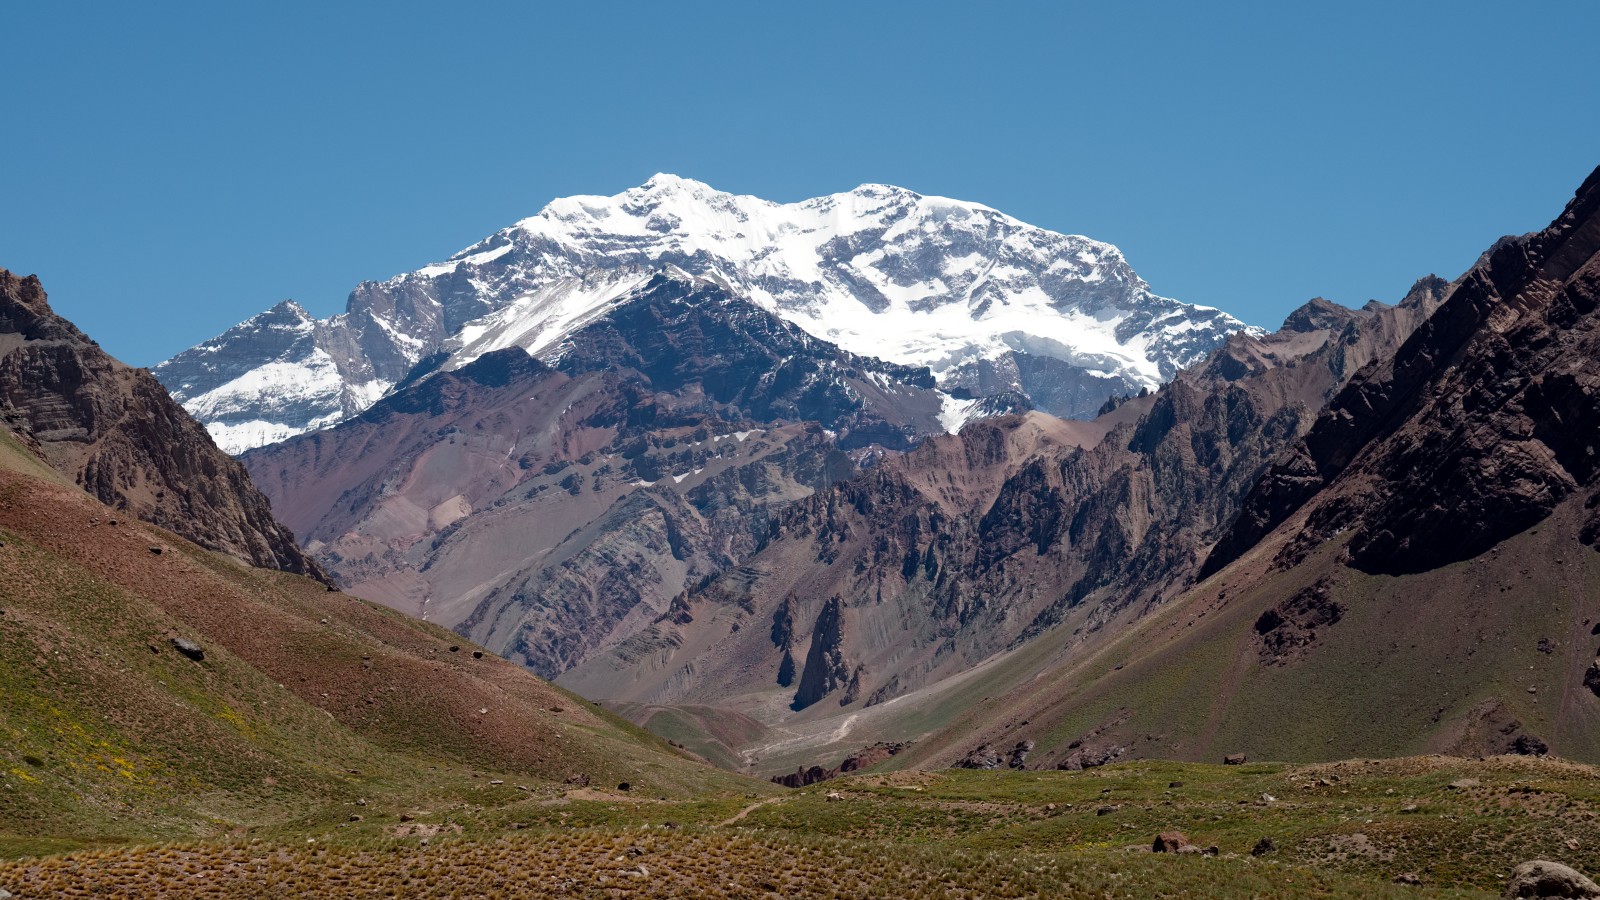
[{"x": 115, "y": 431}]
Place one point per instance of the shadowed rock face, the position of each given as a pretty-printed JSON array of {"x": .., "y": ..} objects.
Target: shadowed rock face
[
  {"x": 115, "y": 431},
  {"x": 687, "y": 336},
  {"x": 826, "y": 668},
  {"x": 1474, "y": 430}
]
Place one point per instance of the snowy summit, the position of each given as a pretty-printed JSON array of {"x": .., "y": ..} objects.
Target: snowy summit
[{"x": 988, "y": 303}]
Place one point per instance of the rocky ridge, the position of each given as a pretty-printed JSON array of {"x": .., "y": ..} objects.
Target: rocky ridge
[
  {"x": 1474, "y": 430},
  {"x": 115, "y": 431}
]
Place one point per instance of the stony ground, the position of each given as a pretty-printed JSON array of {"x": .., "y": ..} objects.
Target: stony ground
[{"x": 1419, "y": 827}]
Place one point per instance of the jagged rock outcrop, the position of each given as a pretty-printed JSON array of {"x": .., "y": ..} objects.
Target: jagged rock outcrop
[
  {"x": 865, "y": 758},
  {"x": 1474, "y": 430},
  {"x": 1290, "y": 627},
  {"x": 115, "y": 431},
  {"x": 826, "y": 668},
  {"x": 982, "y": 756}
]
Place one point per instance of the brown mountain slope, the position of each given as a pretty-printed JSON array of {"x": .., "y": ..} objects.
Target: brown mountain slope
[
  {"x": 465, "y": 495},
  {"x": 1426, "y": 575},
  {"x": 908, "y": 580},
  {"x": 552, "y": 509},
  {"x": 301, "y": 701},
  {"x": 116, "y": 432}
]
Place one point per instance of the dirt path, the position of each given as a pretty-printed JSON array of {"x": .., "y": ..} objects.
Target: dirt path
[{"x": 748, "y": 810}]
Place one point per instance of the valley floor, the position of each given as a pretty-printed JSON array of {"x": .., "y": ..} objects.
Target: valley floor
[{"x": 1347, "y": 829}]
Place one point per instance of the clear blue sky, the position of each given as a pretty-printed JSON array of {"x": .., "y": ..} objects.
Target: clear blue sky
[{"x": 170, "y": 169}]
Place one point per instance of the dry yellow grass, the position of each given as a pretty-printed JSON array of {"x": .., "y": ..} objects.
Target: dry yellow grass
[{"x": 661, "y": 863}]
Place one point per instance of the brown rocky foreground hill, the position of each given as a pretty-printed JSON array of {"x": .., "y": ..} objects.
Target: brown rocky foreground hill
[{"x": 153, "y": 690}]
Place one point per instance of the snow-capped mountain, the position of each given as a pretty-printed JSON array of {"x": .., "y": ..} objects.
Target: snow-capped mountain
[{"x": 988, "y": 303}]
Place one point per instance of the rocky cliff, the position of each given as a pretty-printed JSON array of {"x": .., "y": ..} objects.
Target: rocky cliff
[
  {"x": 1475, "y": 429},
  {"x": 116, "y": 432}
]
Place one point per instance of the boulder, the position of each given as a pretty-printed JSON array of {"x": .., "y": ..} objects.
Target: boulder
[
  {"x": 1018, "y": 757},
  {"x": 1085, "y": 757},
  {"x": 1170, "y": 842},
  {"x": 189, "y": 648},
  {"x": 1542, "y": 878},
  {"x": 1528, "y": 745},
  {"x": 980, "y": 757},
  {"x": 1233, "y": 759}
]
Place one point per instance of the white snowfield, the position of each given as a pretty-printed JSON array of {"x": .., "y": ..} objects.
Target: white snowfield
[{"x": 879, "y": 270}]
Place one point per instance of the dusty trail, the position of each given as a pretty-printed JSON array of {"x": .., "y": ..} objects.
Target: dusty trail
[{"x": 748, "y": 810}]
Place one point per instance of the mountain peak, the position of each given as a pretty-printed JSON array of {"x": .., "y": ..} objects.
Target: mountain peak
[
  {"x": 876, "y": 189},
  {"x": 289, "y": 308},
  {"x": 667, "y": 182},
  {"x": 1318, "y": 314},
  {"x": 881, "y": 271}
]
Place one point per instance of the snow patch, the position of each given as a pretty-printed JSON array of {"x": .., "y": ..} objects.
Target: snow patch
[{"x": 955, "y": 413}]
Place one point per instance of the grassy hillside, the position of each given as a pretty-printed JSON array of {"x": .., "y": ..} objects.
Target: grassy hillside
[{"x": 308, "y": 707}]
